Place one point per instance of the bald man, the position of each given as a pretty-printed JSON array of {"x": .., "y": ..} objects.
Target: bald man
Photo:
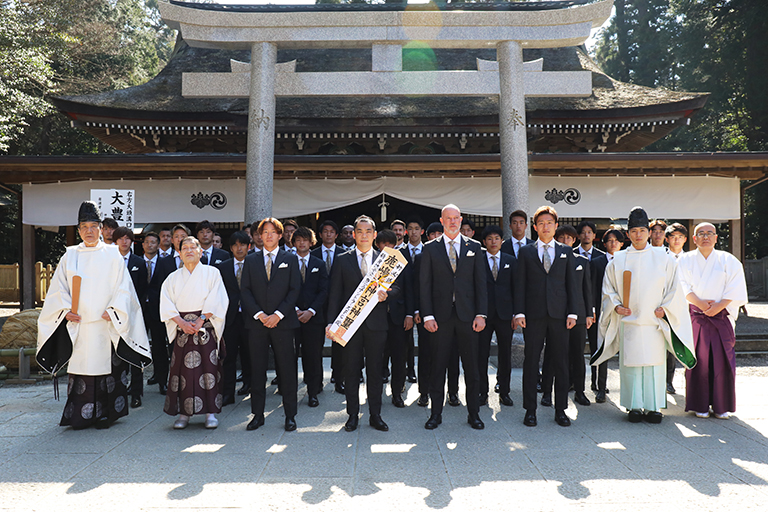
[{"x": 454, "y": 305}]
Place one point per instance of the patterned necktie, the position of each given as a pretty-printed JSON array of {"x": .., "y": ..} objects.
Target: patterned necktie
[
  {"x": 328, "y": 260},
  {"x": 495, "y": 268},
  {"x": 413, "y": 254},
  {"x": 269, "y": 266},
  {"x": 363, "y": 264},
  {"x": 239, "y": 273},
  {"x": 149, "y": 271},
  {"x": 303, "y": 270},
  {"x": 163, "y": 254},
  {"x": 547, "y": 260},
  {"x": 452, "y": 255},
  {"x": 204, "y": 259},
  {"x": 519, "y": 246}
]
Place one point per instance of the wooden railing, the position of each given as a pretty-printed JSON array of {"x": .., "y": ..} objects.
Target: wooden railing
[{"x": 10, "y": 282}]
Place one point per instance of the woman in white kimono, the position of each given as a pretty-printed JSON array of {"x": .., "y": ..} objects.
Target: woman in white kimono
[{"x": 193, "y": 305}]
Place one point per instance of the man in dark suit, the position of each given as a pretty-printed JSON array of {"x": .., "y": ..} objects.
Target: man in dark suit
[
  {"x": 499, "y": 269},
  {"x": 577, "y": 336},
  {"x": 235, "y": 336},
  {"x": 123, "y": 237},
  {"x": 150, "y": 307},
  {"x": 400, "y": 318},
  {"x": 587, "y": 232},
  {"x": 454, "y": 305},
  {"x": 367, "y": 344},
  {"x": 518, "y": 223},
  {"x": 412, "y": 253},
  {"x": 269, "y": 289},
  {"x": 327, "y": 252},
  {"x": 166, "y": 243},
  {"x": 211, "y": 255},
  {"x": 310, "y": 308},
  {"x": 613, "y": 240},
  {"x": 545, "y": 307}
]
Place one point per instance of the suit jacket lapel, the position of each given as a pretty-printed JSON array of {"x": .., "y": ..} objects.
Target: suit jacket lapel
[{"x": 536, "y": 257}]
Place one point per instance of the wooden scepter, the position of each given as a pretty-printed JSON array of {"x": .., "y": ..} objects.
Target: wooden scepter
[
  {"x": 76, "y": 282},
  {"x": 627, "y": 284}
]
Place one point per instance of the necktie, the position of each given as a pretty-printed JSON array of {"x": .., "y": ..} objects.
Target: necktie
[
  {"x": 519, "y": 245},
  {"x": 269, "y": 266},
  {"x": 495, "y": 268},
  {"x": 149, "y": 271},
  {"x": 204, "y": 258},
  {"x": 328, "y": 260},
  {"x": 363, "y": 264},
  {"x": 452, "y": 255},
  {"x": 547, "y": 260},
  {"x": 181, "y": 263},
  {"x": 239, "y": 273},
  {"x": 303, "y": 270},
  {"x": 163, "y": 254},
  {"x": 413, "y": 254}
]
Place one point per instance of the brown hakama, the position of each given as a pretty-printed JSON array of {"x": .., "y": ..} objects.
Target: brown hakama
[
  {"x": 194, "y": 381},
  {"x": 93, "y": 397}
]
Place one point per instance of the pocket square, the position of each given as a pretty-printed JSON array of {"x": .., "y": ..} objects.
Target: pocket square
[
  {"x": 506, "y": 266},
  {"x": 563, "y": 255},
  {"x": 134, "y": 269},
  {"x": 217, "y": 262},
  {"x": 316, "y": 269},
  {"x": 579, "y": 268},
  {"x": 471, "y": 253},
  {"x": 283, "y": 265}
]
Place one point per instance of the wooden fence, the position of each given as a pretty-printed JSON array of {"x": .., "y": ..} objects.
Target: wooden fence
[{"x": 10, "y": 282}]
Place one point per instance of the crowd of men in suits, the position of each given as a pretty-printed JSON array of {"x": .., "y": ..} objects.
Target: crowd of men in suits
[{"x": 454, "y": 293}]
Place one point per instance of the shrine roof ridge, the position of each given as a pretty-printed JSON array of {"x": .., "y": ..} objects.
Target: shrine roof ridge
[{"x": 364, "y": 7}]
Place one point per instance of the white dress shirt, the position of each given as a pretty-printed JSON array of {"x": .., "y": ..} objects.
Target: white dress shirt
[
  {"x": 329, "y": 252},
  {"x": 491, "y": 257},
  {"x": 551, "y": 250},
  {"x": 368, "y": 257},
  {"x": 161, "y": 253},
  {"x": 416, "y": 248},
  {"x": 586, "y": 254},
  {"x": 207, "y": 253},
  {"x": 151, "y": 268},
  {"x": 517, "y": 244},
  {"x": 457, "y": 245}
]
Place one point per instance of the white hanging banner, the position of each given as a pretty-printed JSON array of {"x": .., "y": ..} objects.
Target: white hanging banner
[
  {"x": 168, "y": 201},
  {"x": 117, "y": 204}
]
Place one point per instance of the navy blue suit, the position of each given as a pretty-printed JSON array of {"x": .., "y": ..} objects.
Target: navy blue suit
[{"x": 310, "y": 336}]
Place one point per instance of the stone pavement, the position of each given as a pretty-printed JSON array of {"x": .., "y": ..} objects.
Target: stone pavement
[{"x": 602, "y": 462}]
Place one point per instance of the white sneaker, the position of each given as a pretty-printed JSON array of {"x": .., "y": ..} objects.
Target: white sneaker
[
  {"x": 702, "y": 414},
  {"x": 723, "y": 416},
  {"x": 211, "y": 422}
]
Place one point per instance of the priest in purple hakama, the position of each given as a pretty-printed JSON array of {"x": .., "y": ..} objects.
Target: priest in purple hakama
[
  {"x": 715, "y": 287},
  {"x": 193, "y": 305}
]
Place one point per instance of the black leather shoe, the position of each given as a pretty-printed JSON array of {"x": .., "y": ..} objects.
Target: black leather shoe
[
  {"x": 483, "y": 399},
  {"x": 530, "y": 419},
  {"x": 244, "y": 390},
  {"x": 163, "y": 388},
  {"x": 423, "y": 401},
  {"x": 290, "y": 424},
  {"x": 274, "y": 381},
  {"x": 453, "y": 400},
  {"x": 397, "y": 401},
  {"x": 362, "y": 380},
  {"x": 546, "y": 400},
  {"x": 333, "y": 380},
  {"x": 412, "y": 379},
  {"x": 670, "y": 389},
  {"x": 580, "y": 398},
  {"x": 313, "y": 401},
  {"x": 239, "y": 377},
  {"x": 135, "y": 402},
  {"x": 152, "y": 380},
  {"x": 351, "y": 424},
  {"x": 376, "y": 422},
  {"x": 562, "y": 419},
  {"x": 339, "y": 388},
  {"x": 102, "y": 423},
  {"x": 653, "y": 417},
  {"x": 600, "y": 397},
  {"x": 475, "y": 422},
  {"x": 539, "y": 389},
  {"x": 385, "y": 379},
  {"x": 433, "y": 422},
  {"x": 635, "y": 416},
  {"x": 496, "y": 388},
  {"x": 506, "y": 400},
  {"x": 227, "y": 400},
  {"x": 255, "y": 423}
]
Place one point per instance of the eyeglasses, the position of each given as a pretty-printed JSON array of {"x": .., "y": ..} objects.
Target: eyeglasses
[{"x": 706, "y": 234}]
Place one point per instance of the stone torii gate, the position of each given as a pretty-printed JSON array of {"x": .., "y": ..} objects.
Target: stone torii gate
[{"x": 385, "y": 29}]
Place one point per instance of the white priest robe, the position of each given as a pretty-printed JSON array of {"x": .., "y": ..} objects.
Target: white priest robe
[
  {"x": 642, "y": 338},
  {"x": 721, "y": 276},
  {"x": 199, "y": 290},
  {"x": 106, "y": 286}
]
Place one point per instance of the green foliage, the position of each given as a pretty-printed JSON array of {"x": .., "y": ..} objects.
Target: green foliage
[{"x": 70, "y": 47}]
